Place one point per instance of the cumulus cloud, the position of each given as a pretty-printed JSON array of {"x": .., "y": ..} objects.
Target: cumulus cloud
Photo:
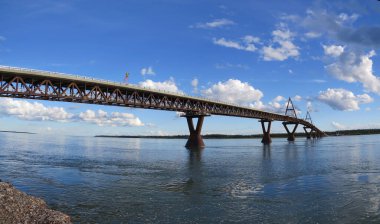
[
  {"x": 217, "y": 23},
  {"x": 350, "y": 60},
  {"x": 147, "y": 71},
  {"x": 341, "y": 99},
  {"x": 33, "y": 111},
  {"x": 338, "y": 126},
  {"x": 282, "y": 47},
  {"x": 114, "y": 119},
  {"x": 234, "y": 91},
  {"x": 297, "y": 98},
  {"x": 309, "y": 106},
  {"x": 194, "y": 84},
  {"x": 38, "y": 112},
  {"x": 333, "y": 50},
  {"x": 246, "y": 43},
  {"x": 352, "y": 66},
  {"x": 312, "y": 35},
  {"x": 340, "y": 26},
  {"x": 276, "y": 105},
  {"x": 168, "y": 85}
]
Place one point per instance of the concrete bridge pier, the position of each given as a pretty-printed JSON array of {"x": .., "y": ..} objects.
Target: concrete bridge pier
[
  {"x": 266, "y": 131},
  {"x": 308, "y": 133},
  {"x": 291, "y": 136},
  {"x": 195, "y": 140},
  {"x": 313, "y": 134}
]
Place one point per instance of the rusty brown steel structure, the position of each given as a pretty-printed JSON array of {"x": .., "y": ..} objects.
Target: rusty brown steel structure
[{"x": 42, "y": 85}]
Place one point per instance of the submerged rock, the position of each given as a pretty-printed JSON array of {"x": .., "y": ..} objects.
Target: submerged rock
[{"x": 18, "y": 207}]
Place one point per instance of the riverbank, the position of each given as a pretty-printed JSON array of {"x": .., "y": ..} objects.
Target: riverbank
[{"x": 18, "y": 207}]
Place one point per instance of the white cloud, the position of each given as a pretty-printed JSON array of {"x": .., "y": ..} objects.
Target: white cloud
[
  {"x": 279, "y": 98},
  {"x": 168, "y": 85},
  {"x": 179, "y": 114},
  {"x": 297, "y": 98},
  {"x": 338, "y": 126},
  {"x": 147, "y": 71},
  {"x": 194, "y": 84},
  {"x": 249, "y": 39},
  {"x": 246, "y": 43},
  {"x": 234, "y": 91},
  {"x": 333, "y": 50},
  {"x": 341, "y": 99},
  {"x": 38, "y": 112},
  {"x": 277, "y": 105},
  {"x": 284, "y": 48},
  {"x": 312, "y": 35},
  {"x": 114, "y": 119},
  {"x": 340, "y": 27},
  {"x": 352, "y": 66},
  {"x": 343, "y": 17},
  {"x": 217, "y": 23},
  {"x": 309, "y": 106},
  {"x": 350, "y": 59},
  {"x": 33, "y": 111}
]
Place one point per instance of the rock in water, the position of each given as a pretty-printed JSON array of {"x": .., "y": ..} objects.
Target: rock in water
[{"x": 18, "y": 207}]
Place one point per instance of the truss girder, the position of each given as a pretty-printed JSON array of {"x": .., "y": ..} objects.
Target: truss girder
[{"x": 57, "y": 89}]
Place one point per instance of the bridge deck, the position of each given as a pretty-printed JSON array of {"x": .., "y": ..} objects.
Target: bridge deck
[{"x": 44, "y": 85}]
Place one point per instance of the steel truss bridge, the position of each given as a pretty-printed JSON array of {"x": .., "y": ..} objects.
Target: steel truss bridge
[{"x": 43, "y": 85}]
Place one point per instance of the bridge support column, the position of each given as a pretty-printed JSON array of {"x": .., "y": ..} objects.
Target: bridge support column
[
  {"x": 195, "y": 140},
  {"x": 266, "y": 132},
  {"x": 308, "y": 133},
  {"x": 291, "y": 136}
]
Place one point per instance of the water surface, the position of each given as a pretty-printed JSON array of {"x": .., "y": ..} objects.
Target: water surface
[{"x": 104, "y": 180}]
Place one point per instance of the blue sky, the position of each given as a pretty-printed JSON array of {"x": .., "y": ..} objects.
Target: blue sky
[{"x": 255, "y": 53}]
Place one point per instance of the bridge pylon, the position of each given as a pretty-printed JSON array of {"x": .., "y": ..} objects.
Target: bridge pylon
[
  {"x": 291, "y": 112},
  {"x": 308, "y": 130},
  {"x": 195, "y": 140},
  {"x": 266, "y": 131}
]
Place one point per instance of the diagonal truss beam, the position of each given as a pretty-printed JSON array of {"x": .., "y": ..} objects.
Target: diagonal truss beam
[{"x": 40, "y": 85}]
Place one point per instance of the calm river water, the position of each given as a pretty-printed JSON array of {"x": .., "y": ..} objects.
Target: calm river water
[{"x": 105, "y": 180}]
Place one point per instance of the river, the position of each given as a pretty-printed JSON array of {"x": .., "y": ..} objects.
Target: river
[{"x": 111, "y": 180}]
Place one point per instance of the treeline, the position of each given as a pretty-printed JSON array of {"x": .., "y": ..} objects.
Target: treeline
[{"x": 355, "y": 132}]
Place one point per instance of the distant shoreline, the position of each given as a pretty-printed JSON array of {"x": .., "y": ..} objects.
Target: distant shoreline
[
  {"x": 222, "y": 136},
  {"x": 19, "y": 132}
]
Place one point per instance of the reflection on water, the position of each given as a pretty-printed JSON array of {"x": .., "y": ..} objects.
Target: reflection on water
[
  {"x": 266, "y": 152},
  {"x": 100, "y": 180}
]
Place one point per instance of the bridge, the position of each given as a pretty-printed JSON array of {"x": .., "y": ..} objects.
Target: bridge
[{"x": 43, "y": 85}]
